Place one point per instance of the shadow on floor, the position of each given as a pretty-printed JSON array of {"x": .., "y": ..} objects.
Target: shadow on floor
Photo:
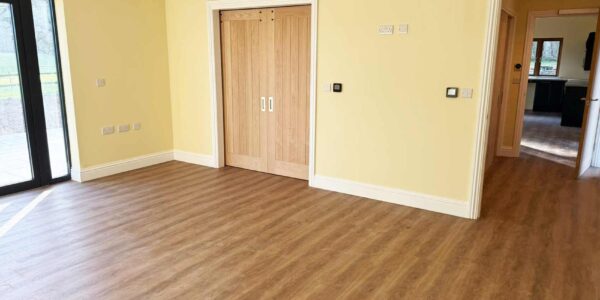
[{"x": 544, "y": 137}]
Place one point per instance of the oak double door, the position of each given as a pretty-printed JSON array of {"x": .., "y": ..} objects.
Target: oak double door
[{"x": 266, "y": 89}]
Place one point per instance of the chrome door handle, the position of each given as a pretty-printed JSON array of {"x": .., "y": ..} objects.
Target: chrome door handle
[
  {"x": 271, "y": 104},
  {"x": 263, "y": 104},
  {"x": 585, "y": 99}
]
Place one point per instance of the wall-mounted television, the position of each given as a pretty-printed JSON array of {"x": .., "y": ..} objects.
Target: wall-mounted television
[{"x": 589, "y": 53}]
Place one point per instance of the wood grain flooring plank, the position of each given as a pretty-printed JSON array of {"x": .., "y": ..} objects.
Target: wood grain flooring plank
[{"x": 179, "y": 231}]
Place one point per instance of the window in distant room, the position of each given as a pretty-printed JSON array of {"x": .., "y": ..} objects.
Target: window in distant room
[{"x": 545, "y": 57}]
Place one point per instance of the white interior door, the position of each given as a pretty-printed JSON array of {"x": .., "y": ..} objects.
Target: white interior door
[{"x": 591, "y": 116}]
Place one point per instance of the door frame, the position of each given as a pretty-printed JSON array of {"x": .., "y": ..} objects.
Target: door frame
[
  {"x": 484, "y": 108},
  {"x": 512, "y": 31},
  {"x": 33, "y": 104},
  {"x": 491, "y": 44},
  {"x": 529, "y": 37},
  {"x": 215, "y": 72}
]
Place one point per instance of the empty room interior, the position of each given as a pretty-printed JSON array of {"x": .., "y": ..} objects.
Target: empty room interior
[
  {"x": 299, "y": 149},
  {"x": 558, "y": 81}
]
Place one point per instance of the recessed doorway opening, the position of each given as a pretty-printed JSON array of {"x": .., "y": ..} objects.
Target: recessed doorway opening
[
  {"x": 283, "y": 140},
  {"x": 558, "y": 83}
]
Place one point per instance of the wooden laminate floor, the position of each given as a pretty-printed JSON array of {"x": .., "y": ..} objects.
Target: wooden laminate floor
[{"x": 182, "y": 231}]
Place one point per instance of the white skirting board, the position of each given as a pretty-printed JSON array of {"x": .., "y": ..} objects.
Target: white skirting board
[
  {"x": 196, "y": 159},
  {"x": 125, "y": 165},
  {"x": 396, "y": 196},
  {"x": 120, "y": 166}
]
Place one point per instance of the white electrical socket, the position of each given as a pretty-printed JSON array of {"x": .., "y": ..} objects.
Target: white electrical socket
[
  {"x": 137, "y": 126},
  {"x": 386, "y": 29},
  {"x": 403, "y": 28},
  {"x": 124, "y": 128},
  {"x": 101, "y": 82},
  {"x": 108, "y": 130},
  {"x": 466, "y": 93}
]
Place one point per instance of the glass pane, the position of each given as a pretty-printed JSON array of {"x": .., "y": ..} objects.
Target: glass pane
[
  {"x": 534, "y": 49},
  {"x": 550, "y": 52},
  {"x": 15, "y": 157},
  {"x": 44, "y": 34}
]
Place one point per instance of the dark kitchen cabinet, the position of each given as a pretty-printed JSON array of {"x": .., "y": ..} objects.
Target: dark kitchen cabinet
[
  {"x": 573, "y": 107},
  {"x": 549, "y": 95}
]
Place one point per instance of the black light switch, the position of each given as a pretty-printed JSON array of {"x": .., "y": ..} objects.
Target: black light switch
[
  {"x": 337, "y": 87},
  {"x": 452, "y": 92}
]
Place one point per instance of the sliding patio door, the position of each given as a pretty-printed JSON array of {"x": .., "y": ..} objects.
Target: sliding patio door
[{"x": 33, "y": 143}]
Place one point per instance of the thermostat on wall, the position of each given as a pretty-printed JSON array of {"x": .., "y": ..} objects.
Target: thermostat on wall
[
  {"x": 337, "y": 87},
  {"x": 452, "y": 92}
]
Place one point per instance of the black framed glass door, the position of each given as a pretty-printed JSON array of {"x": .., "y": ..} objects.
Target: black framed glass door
[{"x": 33, "y": 139}]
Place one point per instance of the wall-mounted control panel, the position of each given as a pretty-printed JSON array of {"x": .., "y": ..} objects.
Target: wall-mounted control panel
[
  {"x": 452, "y": 92},
  {"x": 332, "y": 87},
  {"x": 337, "y": 87},
  {"x": 455, "y": 92}
]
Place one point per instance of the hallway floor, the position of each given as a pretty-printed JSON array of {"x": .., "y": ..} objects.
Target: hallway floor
[{"x": 544, "y": 137}]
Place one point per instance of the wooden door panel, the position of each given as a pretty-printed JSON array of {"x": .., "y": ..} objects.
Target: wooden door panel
[
  {"x": 242, "y": 56},
  {"x": 288, "y": 123}
]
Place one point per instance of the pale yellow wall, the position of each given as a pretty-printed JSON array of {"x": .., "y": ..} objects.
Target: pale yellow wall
[
  {"x": 124, "y": 42},
  {"x": 392, "y": 126},
  {"x": 524, "y": 7},
  {"x": 575, "y": 31},
  {"x": 188, "y": 63}
]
